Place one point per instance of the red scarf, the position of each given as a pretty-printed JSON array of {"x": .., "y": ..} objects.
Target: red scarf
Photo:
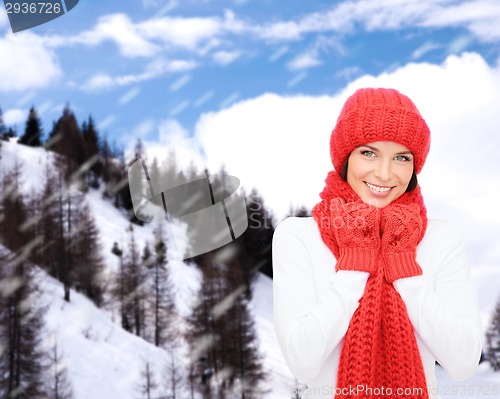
[{"x": 380, "y": 351}]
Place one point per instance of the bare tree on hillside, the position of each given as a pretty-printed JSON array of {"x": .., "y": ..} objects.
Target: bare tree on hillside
[
  {"x": 22, "y": 360},
  {"x": 88, "y": 267},
  {"x": 59, "y": 383},
  {"x": 147, "y": 387},
  {"x": 161, "y": 292}
]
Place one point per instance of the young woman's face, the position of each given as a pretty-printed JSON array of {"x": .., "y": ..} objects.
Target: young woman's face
[{"x": 379, "y": 172}]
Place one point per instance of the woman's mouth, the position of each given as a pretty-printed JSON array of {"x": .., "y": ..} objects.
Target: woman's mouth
[{"x": 378, "y": 191}]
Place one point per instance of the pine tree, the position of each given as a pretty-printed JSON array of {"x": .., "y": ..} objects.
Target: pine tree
[
  {"x": 131, "y": 281},
  {"x": 10, "y": 133},
  {"x": 33, "y": 131},
  {"x": 161, "y": 293},
  {"x": 202, "y": 336},
  {"x": 59, "y": 229},
  {"x": 106, "y": 156},
  {"x": 241, "y": 354},
  {"x": 47, "y": 227},
  {"x": 112, "y": 171},
  {"x": 91, "y": 158},
  {"x": 222, "y": 335},
  {"x": 246, "y": 364},
  {"x": 88, "y": 268},
  {"x": 119, "y": 287},
  {"x": 22, "y": 361},
  {"x": 66, "y": 140},
  {"x": 69, "y": 205},
  {"x": 493, "y": 339}
]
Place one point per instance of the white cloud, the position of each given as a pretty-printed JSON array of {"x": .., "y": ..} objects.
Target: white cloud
[
  {"x": 270, "y": 142},
  {"x": 304, "y": 61},
  {"x": 226, "y": 57},
  {"x": 424, "y": 49},
  {"x": 170, "y": 131},
  {"x": 189, "y": 33},
  {"x": 158, "y": 34},
  {"x": 27, "y": 98},
  {"x": 26, "y": 63},
  {"x": 172, "y": 137},
  {"x": 202, "y": 35},
  {"x": 14, "y": 116},
  {"x": 129, "y": 95},
  {"x": 98, "y": 82},
  {"x": 297, "y": 79},
  {"x": 172, "y": 4},
  {"x": 119, "y": 29},
  {"x": 349, "y": 73},
  {"x": 151, "y": 3},
  {"x": 106, "y": 122},
  {"x": 311, "y": 57},
  {"x": 155, "y": 68},
  {"x": 278, "y": 31},
  {"x": 480, "y": 17},
  {"x": 144, "y": 128},
  {"x": 280, "y": 52},
  {"x": 459, "y": 44},
  {"x": 44, "y": 107},
  {"x": 373, "y": 14},
  {"x": 180, "y": 83},
  {"x": 280, "y": 145}
]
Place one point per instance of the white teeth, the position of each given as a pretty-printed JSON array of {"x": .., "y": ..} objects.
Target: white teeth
[{"x": 379, "y": 189}]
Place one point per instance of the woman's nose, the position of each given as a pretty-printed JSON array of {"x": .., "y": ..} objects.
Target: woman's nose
[{"x": 383, "y": 170}]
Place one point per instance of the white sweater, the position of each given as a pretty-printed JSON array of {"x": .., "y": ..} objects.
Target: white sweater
[{"x": 313, "y": 304}]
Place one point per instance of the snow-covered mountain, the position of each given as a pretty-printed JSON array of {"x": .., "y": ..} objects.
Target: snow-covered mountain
[{"x": 105, "y": 362}]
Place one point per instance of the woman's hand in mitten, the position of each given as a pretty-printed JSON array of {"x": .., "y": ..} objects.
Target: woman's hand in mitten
[
  {"x": 401, "y": 228},
  {"x": 355, "y": 226}
]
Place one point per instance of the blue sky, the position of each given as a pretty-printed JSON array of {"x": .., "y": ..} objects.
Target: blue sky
[
  {"x": 259, "y": 84},
  {"x": 132, "y": 64}
]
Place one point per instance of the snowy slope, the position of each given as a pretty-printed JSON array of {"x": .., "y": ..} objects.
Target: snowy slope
[{"x": 104, "y": 361}]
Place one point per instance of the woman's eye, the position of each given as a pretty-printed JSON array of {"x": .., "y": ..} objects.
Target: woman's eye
[
  {"x": 368, "y": 153},
  {"x": 403, "y": 158}
]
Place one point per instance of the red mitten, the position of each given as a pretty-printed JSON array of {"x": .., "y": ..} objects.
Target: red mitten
[
  {"x": 401, "y": 228},
  {"x": 356, "y": 227}
]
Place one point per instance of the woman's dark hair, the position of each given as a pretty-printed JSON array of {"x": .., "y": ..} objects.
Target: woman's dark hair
[{"x": 411, "y": 185}]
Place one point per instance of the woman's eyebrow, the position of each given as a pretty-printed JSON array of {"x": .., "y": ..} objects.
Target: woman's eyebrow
[
  {"x": 370, "y": 147},
  {"x": 376, "y": 149}
]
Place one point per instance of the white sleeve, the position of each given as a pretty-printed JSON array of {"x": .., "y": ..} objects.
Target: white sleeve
[
  {"x": 308, "y": 328},
  {"x": 447, "y": 318}
]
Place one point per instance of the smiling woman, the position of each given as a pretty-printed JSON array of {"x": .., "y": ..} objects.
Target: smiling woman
[
  {"x": 369, "y": 293},
  {"x": 380, "y": 172}
]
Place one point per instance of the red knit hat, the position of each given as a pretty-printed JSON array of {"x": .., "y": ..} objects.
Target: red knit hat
[{"x": 379, "y": 115}]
